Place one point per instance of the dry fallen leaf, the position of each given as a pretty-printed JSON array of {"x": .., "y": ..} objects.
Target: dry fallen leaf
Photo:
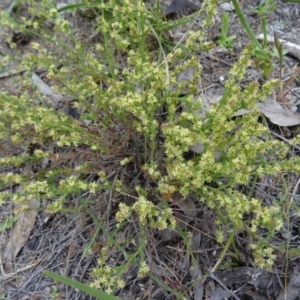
[
  {"x": 196, "y": 275},
  {"x": 278, "y": 114},
  {"x": 49, "y": 92},
  {"x": 291, "y": 292},
  {"x": 197, "y": 148},
  {"x": 9, "y": 73},
  {"x": 220, "y": 293},
  {"x": 273, "y": 110},
  {"x": 187, "y": 75},
  {"x": 185, "y": 203},
  {"x": 19, "y": 234},
  {"x": 168, "y": 234},
  {"x": 177, "y": 5},
  {"x": 195, "y": 241}
]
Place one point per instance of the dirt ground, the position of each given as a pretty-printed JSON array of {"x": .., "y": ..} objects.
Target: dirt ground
[{"x": 58, "y": 242}]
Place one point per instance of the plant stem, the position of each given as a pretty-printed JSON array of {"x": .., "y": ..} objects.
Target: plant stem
[{"x": 246, "y": 25}]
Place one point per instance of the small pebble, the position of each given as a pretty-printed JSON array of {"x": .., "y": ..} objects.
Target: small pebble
[{"x": 47, "y": 290}]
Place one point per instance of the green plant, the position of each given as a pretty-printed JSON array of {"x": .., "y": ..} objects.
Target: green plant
[
  {"x": 82, "y": 287},
  {"x": 266, "y": 7},
  {"x": 225, "y": 40},
  {"x": 259, "y": 50},
  {"x": 291, "y": 1},
  {"x": 264, "y": 52},
  {"x": 8, "y": 223},
  {"x": 127, "y": 92},
  {"x": 54, "y": 294}
]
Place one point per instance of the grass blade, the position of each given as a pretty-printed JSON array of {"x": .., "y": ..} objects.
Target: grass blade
[{"x": 80, "y": 286}]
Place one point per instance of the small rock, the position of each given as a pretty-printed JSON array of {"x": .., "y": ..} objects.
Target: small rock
[{"x": 227, "y": 6}]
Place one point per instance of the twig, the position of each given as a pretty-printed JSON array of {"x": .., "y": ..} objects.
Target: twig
[
  {"x": 284, "y": 139},
  {"x": 295, "y": 190}
]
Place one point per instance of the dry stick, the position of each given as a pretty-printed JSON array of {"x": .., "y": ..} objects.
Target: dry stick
[
  {"x": 295, "y": 190},
  {"x": 13, "y": 72},
  {"x": 13, "y": 274},
  {"x": 284, "y": 139},
  {"x": 218, "y": 263}
]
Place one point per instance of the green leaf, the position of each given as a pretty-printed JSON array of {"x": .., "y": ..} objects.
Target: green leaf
[
  {"x": 276, "y": 54},
  {"x": 264, "y": 29},
  {"x": 9, "y": 222},
  {"x": 267, "y": 70},
  {"x": 261, "y": 54},
  {"x": 80, "y": 286},
  {"x": 89, "y": 117},
  {"x": 231, "y": 38},
  {"x": 291, "y": 1},
  {"x": 9, "y": 10},
  {"x": 246, "y": 24},
  {"x": 225, "y": 25}
]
